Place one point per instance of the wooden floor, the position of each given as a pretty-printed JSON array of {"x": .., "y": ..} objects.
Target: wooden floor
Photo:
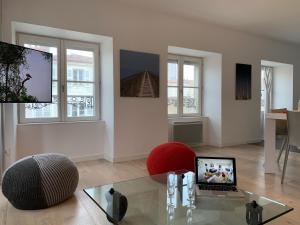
[{"x": 80, "y": 210}]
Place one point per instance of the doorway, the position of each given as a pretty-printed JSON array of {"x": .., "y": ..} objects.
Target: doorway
[{"x": 276, "y": 88}]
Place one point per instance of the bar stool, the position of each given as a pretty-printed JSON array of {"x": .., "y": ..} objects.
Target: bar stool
[
  {"x": 293, "y": 140},
  {"x": 281, "y": 130}
]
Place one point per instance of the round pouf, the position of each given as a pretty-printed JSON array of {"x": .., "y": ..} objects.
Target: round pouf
[
  {"x": 174, "y": 156},
  {"x": 40, "y": 181}
]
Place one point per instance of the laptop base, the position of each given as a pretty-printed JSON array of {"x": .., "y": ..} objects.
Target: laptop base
[{"x": 233, "y": 194}]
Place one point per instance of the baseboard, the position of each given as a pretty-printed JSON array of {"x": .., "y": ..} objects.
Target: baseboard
[
  {"x": 108, "y": 158},
  {"x": 213, "y": 144},
  {"x": 255, "y": 141},
  {"x": 131, "y": 157},
  {"x": 241, "y": 143},
  {"x": 87, "y": 158}
]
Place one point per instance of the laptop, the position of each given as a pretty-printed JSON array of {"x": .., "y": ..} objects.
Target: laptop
[{"x": 216, "y": 176}]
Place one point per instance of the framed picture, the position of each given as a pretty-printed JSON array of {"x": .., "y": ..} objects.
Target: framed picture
[
  {"x": 139, "y": 74},
  {"x": 243, "y": 82}
]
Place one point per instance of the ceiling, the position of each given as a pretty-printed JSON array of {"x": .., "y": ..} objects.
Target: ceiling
[{"x": 277, "y": 19}]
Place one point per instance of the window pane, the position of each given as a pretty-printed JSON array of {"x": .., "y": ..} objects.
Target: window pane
[
  {"x": 172, "y": 73},
  {"x": 190, "y": 100},
  {"x": 44, "y": 110},
  {"x": 172, "y": 100},
  {"x": 80, "y": 89},
  {"x": 81, "y": 106},
  {"x": 80, "y": 99},
  {"x": 54, "y": 88},
  {"x": 52, "y": 50},
  {"x": 80, "y": 65},
  {"x": 80, "y": 95},
  {"x": 191, "y": 75}
]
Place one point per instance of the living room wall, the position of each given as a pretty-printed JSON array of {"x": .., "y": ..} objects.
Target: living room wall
[{"x": 141, "y": 123}]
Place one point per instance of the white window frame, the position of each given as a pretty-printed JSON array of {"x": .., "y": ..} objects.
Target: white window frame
[
  {"x": 44, "y": 41},
  {"x": 181, "y": 59},
  {"x": 62, "y": 45},
  {"x": 85, "y": 47}
]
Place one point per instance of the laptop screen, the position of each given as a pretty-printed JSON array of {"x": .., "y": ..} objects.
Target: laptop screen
[{"x": 215, "y": 171}]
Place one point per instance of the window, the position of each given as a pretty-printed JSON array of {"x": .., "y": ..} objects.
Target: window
[
  {"x": 184, "y": 86},
  {"x": 75, "y": 81}
]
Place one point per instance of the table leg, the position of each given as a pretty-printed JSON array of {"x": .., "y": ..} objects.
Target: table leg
[{"x": 270, "y": 148}]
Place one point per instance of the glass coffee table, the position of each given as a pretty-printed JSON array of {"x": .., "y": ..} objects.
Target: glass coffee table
[{"x": 148, "y": 203}]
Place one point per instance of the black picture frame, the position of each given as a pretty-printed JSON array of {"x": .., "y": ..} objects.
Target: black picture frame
[
  {"x": 243, "y": 82},
  {"x": 139, "y": 74}
]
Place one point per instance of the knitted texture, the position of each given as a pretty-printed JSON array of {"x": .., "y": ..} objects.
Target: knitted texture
[{"x": 40, "y": 181}]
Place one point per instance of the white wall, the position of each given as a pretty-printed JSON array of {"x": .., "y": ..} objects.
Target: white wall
[
  {"x": 212, "y": 100},
  {"x": 139, "y": 123},
  {"x": 282, "y": 93},
  {"x": 107, "y": 100},
  {"x": 10, "y": 132},
  {"x": 72, "y": 139}
]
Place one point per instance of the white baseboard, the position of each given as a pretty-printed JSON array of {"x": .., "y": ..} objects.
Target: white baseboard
[
  {"x": 213, "y": 144},
  {"x": 108, "y": 158},
  {"x": 145, "y": 154},
  {"x": 255, "y": 141},
  {"x": 87, "y": 158},
  {"x": 241, "y": 143},
  {"x": 131, "y": 157},
  {"x": 216, "y": 145}
]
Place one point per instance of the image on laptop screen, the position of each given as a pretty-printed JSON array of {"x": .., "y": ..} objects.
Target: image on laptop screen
[{"x": 215, "y": 171}]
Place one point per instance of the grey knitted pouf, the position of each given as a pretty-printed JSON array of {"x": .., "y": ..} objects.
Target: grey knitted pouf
[{"x": 40, "y": 181}]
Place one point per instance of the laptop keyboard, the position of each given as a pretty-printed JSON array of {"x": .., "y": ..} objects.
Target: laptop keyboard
[{"x": 217, "y": 188}]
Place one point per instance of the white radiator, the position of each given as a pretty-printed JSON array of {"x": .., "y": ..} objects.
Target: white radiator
[{"x": 190, "y": 133}]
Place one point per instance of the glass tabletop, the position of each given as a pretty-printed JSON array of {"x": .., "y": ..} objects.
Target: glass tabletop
[{"x": 146, "y": 201}]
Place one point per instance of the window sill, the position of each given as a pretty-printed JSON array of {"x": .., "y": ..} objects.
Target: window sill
[{"x": 60, "y": 122}]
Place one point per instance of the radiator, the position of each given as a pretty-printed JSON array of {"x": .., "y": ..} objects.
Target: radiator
[{"x": 190, "y": 133}]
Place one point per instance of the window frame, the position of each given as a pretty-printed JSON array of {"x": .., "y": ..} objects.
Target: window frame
[
  {"x": 181, "y": 59},
  {"x": 175, "y": 58},
  {"x": 45, "y": 41},
  {"x": 61, "y": 45},
  {"x": 76, "y": 45}
]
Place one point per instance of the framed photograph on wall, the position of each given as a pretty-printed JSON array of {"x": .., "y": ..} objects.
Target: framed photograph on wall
[
  {"x": 243, "y": 81},
  {"x": 139, "y": 74}
]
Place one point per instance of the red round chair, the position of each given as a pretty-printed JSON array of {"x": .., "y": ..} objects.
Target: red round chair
[{"x": 174, "y": 156}]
